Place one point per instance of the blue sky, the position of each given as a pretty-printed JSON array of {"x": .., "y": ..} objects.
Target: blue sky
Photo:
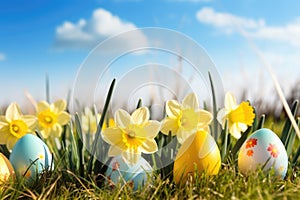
[{"x": 39, "y": 37}]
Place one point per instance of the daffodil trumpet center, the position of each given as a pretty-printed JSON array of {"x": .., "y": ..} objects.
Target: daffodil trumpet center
[
  {"x": 18, "y": 128},
  {"x": 132, "y": 138},
  {"x": 47, "y": 118},
  {"x": 242, "y": 114}
]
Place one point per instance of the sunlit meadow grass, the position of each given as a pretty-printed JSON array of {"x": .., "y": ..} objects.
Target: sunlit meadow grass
[{"x": 228, "y": 184}]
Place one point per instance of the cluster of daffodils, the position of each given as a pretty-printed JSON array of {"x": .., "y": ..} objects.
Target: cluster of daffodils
[
  {"x": 134, "y": 134},
  {"x": 128, "y": 135},
  {"x": 48, "y": 120}
]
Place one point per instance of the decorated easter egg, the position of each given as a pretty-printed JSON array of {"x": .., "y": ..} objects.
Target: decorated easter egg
[
  {"x": 263, "y": 148},
  {"x": 198, "y": 152},
  {"x": 120, "y": 172},
  {"x": 6, "y": 169},
  {"x": 30, "y": 157}
]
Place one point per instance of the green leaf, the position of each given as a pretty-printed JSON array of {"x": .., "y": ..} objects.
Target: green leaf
[
  {"x": 99, "y": 128},
  {"x": 215, "y": 128},
  {"x": 79, "y": 144},
  {"x": 287, "y": 126},
  {"x": 291, "y": 139},
  {"x": 225, "y": 141}
]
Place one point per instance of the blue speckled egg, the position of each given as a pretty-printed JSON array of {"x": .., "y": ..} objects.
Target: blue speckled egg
[
  {"x": 263, "y": 148},
  {"x": 30, "y": 151},
  {"x": 120, "y": 172}
]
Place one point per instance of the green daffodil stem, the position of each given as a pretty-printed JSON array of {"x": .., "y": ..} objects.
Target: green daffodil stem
[
  {"x": 99, "y": 128},
  {"x": 215, "y": 130},
  {"x": 224, "y": 147}
]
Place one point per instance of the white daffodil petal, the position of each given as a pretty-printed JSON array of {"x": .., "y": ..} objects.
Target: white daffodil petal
[
  {"x": 230, "y": 101},
  {"x": 140, "y": 116},
  {"x": 168, "y": 125},
  {"x": 149, "y": 146},
  {"x": 173, "y": 108},
  {"x": 13, "y": 112},
  {"x": 114, "y": 151},
  {"x": 235, "y": 131},
  {"x": 221, "y": 117},
  {"x": 122, "y": 119},
  {"x": 190, "y": 102},
  {"x": 130, "y": 157},
  {"x": 152, "y": 128},
  {"x": 205, "y": 118},
  {"x": 243, "y": 127}
]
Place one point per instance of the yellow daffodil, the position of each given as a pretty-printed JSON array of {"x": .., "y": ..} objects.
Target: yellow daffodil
[
  {"x": 15, "y": 125},
  {"x": 52, "y": 117},
  {"x": 239, "y": 116},
  {"x": 90, "y": 121},
  {"x": 132, "y": 135},
  {"x": 185, "y": 119}
]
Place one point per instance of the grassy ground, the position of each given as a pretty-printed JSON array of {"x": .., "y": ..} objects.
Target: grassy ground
[{"x": 228, "y": 184}]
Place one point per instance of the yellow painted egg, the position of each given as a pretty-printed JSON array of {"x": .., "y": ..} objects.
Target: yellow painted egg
[
  {"x": 198, "y": 152},
  {"x": 6, "y": 169}
]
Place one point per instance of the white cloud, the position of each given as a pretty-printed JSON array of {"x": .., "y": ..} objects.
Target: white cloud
[
  {"x": 226, "y": 20},
  {"x": 2, "y": 56},
  {"x": 88, "y": 33},
  {"x": 255, "y": 28}
]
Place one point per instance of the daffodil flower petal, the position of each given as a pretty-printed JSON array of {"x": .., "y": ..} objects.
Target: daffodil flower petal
[
  {"x": 56, "y": 130},
  {"x": 235, "y": 131},
  {"x": 140, "y": 116},
  {"x": 122, "y": 119},
  {"x": 114, "y": 151},
  {"x": 13, "y": 112},
  {"x": 63, "y": 118},
  {"x": 131, "y": 157},
  {"x": 169, "y": 124},
  {"x": 182, "y": 135},
  {"x": 30, "y": 121},
  {"x": 173, "y": 108},
  {"x": 42, "y": 106},
  {"x": 112, "y": 135},
  {"x": 230, "y": 101},
  {"x": 11, "y": 141},
  {"x": 152, "y": 128},
  {"x": 221, "y": 117},
  {"x": 4, "y": 136},
  {"x": 149, "y": 146},
  {"x": 190, "y": 102},
  {"x": 59, "y": 105},
  {"x": 205, "y": 118}
]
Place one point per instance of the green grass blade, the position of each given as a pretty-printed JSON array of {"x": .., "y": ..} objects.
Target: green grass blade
[
  {"x": 99, "y": 128},
  {"x": 291, "y": 139},
  {"x": 287, "y": 126},
  {"x": 79, "y": 144},
  {"x": 215, "y": 129},
  {"x": 261, "y": 122},
  {"x": 296, "y": 156}
]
